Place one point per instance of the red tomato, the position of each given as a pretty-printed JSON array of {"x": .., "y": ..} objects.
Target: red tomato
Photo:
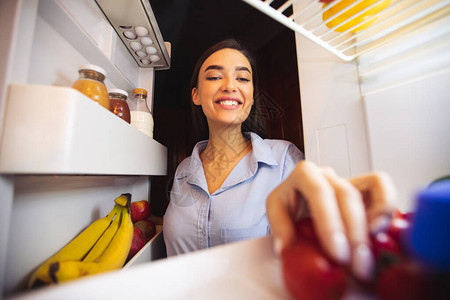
[
  {"x": 399, "y": 226},
  {"x": 406, "y": 280},
  {"x": 310, "y": 275},
  {"x": 304, "y": 229},
  {"x": 308, "y": 272},
  {"x": 384, "y": 244}
]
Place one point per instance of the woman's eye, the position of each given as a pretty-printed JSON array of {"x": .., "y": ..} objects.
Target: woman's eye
[
  {"x": 213, "y": 78},
  {"x": 243, "y": 79}
]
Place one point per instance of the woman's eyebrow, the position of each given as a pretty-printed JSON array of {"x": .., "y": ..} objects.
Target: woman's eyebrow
[
  {"x": 214, "y": 67},
  {"x": 217, "y": 67},
  {"x": 243, "y": 69}
]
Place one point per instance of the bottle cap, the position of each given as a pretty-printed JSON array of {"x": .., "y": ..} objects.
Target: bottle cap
[
  {"x": 429, "y": 238},
  {"x": 140, "y": 91},
  {"x": 93, "y": 68},
  {"x": 118, "y": 91}
]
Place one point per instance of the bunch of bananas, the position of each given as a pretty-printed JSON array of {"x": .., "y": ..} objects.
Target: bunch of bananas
[{"x": 101, "y": 247}]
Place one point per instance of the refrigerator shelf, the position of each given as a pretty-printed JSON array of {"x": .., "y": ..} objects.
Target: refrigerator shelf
[
  {"x": 58, "y": 130},
  {"x": 152, "y": 250},
  {"x": 337, "y": 26}
]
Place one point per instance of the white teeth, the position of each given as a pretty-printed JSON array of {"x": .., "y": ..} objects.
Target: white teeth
[{"x": 229, "y": 102}]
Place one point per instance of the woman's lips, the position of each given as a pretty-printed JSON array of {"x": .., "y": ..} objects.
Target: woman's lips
[{"x": 228, "y": 102}]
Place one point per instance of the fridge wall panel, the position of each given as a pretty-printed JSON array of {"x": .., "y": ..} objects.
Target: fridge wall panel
[
  {"x": 7, "y": 191},
  {"x": 409, "y": 133},
  {"x": 331, "y": 98},
  {"x": 405, "y": 89}
]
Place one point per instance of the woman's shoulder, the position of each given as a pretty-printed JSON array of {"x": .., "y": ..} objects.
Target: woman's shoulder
[
  {"x": 279, "y": 149},
  {"x": 183, "y": 166},
  {"x": 275, "y": 144}
]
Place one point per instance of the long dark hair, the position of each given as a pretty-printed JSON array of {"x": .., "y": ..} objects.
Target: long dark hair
[{"x": 255, "y": 121}]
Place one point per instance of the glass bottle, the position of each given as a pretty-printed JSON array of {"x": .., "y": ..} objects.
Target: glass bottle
[
  {"x": 91, "y": 83},
  {"x": 118, "y": 104},
  {"x": 141, "y": 118}
]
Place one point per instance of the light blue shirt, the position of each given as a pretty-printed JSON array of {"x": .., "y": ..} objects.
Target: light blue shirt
[{"x": 197, "y": 220}]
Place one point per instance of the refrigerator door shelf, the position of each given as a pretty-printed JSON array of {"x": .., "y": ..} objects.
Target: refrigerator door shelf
[
  {"x": 154, "y": 249},
  {"x": 58, "y": 130},
  {"x": 138, "y": 29},
  {"x": 242, "y": 270}
]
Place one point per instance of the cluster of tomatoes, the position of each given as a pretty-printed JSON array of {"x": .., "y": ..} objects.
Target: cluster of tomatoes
[{"x": 310, "y": 274}]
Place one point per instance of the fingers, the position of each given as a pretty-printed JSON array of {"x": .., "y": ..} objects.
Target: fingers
[
  {"x": 283, "y": 208},
  {"x": 308, "y": 181},
  {"x": 320, "y": 196},
  {"x": 381, "y": 196},
  {"x": 353, "y": 215}
]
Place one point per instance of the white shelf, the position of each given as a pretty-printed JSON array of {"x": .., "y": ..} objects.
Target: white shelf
[
  {"x": 58, "y": 130},
  {"x": 242, "y": 270},
  {"x": 387, "y": 20}
]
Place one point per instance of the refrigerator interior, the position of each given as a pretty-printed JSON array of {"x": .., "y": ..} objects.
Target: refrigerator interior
[{"x": 383, "y": 109}]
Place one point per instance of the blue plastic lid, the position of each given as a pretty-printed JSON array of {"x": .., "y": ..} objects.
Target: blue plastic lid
[{"x": 430, "y": 231}]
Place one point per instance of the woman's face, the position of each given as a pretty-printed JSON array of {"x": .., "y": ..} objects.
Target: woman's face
[{"x": 225, "y": 88}]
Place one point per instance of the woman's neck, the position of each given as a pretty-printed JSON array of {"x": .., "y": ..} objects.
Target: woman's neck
[
  {"x": 229, "y": 142},
  {"x": 224, "y": 150}
]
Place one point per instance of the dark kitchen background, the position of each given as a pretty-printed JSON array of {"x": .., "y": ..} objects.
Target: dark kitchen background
[{"x": 191, "y": 26}]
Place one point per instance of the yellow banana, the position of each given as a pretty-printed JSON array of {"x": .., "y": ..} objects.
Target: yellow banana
[
  {"x": 75, "y": 249},
  {"x": 104, "y": 241},
  {"x": 124, "y": 200},
  {"x": 112, "y": 258}
]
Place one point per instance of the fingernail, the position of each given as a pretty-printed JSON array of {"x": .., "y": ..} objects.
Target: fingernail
[
  {"x": 363, "y": 263},
  {"x": 341, "y": 248},
  {"x": 380, "y": 223},
  {"x": 277, "y": 246}
]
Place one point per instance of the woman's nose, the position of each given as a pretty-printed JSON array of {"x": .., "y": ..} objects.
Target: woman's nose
[{"x": 228, "y": 84}]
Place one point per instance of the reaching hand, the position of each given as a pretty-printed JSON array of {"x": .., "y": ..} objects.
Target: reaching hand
[{"x": 342, "y": 211}]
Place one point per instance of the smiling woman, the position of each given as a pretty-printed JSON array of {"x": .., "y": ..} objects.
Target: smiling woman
[
  {"x": 218, "y": 194},
  {"x": 247, "y": 72},
  {"x": 224, "y": 90}
]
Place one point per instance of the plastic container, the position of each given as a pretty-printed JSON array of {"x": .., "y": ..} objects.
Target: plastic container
[
  {"x": 429, "y": 236},
  {"x": 364, "y": 18},
  {"x": 118, "y": 104},
  {"x": 91, "y": 83},
  {"x": 141, "y": 117}
]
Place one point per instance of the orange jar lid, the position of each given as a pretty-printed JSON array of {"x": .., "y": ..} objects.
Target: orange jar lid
[{"x": 140, "y": 91}]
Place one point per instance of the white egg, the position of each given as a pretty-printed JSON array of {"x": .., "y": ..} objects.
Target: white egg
[
  {"x": 151, "y": 50},
  {"x": 145, "y": 61},
  {"x": 130, "y": 34},
  {"x": 154, "y": 58},
  {"x": 141, "y": 53},
  {"x": 135, "y": 46},
  {"x": 146, "y": 41},
  {"x": 141, "y": 30}
]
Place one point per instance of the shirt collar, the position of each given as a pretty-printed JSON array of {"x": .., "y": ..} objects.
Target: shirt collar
[{"x": 261, "y": 153}]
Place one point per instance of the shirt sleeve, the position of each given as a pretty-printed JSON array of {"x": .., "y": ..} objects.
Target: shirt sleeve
[{"x": 293, "y": 157}]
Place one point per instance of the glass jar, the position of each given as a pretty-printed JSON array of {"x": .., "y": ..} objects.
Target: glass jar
[
  {"x": 91, "y": 83},
  {"x": 141, "y": 118},
  {"x": 118, "y": 104}
]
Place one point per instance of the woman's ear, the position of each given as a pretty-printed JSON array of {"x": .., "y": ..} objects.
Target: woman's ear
[{"x": 195, "y": 98}]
